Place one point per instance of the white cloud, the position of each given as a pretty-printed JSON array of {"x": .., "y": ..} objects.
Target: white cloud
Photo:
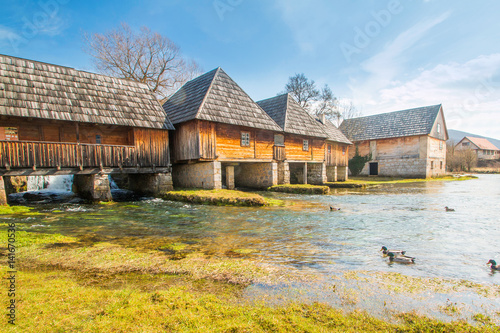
[
  {"x": 469, "y": 92},
  {"x": 380, "y": 70},
  {"x": 7, "y": 34}
]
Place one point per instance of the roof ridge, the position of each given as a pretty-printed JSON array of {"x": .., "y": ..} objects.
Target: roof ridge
[
  {"x": 310, "y": 116},
  {"x": 379, "y": 114},
  {"x": 286, "y": 112},
  {"x": 217, "y": 71}
]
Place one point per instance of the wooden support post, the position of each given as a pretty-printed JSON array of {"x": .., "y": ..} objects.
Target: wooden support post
[
  {"x": 305, "y": 173},
  {"x": 230, "y": 177}
]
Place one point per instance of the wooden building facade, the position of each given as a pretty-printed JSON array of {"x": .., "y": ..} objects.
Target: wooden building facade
[
  {"x": 57, "y": 120},
  {"x": 222, "y": 138},
  {"x": 483, "y": 148},
  {"x": 408, "y": 143},
  {"x": 303, "y": 140},
  {"x": 336, "y": 152}
]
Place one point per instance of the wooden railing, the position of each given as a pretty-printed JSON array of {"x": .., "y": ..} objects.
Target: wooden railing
[
  {"x": 29, "y": 154},
  {"x": 279, "y": 153}
]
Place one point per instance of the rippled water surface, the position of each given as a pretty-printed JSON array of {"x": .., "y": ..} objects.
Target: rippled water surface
[{"x": 307, "y": 235}]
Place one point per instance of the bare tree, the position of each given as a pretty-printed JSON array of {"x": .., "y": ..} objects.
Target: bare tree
[
  {"x": 315, "y": 101},
  {"x": 346, "y": 110},
  {"x": 469, "y": 158},
  {"x": 146, "y": 57},
  {"x": 326, "y": 104},
  {"x": 302, "y": 89}
]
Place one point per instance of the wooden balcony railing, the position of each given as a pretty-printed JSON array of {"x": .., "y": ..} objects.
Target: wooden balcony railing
[
  {"x": 29, "y": 154},
  {"x": 279, "y": 153}
]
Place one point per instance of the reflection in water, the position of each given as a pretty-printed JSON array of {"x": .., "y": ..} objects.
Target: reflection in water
[{"x": 308, "y": 236}]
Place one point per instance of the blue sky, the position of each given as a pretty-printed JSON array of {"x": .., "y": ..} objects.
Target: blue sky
[{"x": 384, "y": 55}]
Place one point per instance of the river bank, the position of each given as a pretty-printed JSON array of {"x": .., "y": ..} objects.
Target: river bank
[
  {"x": 154, "y": 264},
  {"x": 84, "y": 284}
]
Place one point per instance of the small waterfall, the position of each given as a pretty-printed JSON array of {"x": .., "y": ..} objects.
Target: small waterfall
[
  {"x": 59, "y": 183},
  {"x": 50, "y": 183},
  {"x": 36, "y": 183},
  {"x": 112, "y": 183}
]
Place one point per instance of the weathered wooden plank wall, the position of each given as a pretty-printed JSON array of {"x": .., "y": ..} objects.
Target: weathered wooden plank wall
[
  {"x": 294, "y": 151},
  {"x": 229, "y": 143},
  {"x": 335, "y": 154},
  {"x": 59, "y": 131},
  {"x": 152, "y": 147},
  {"x": 185, "y": 142}
]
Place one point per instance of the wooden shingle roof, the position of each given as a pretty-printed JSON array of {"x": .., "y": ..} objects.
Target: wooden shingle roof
[
  {"x": 418, "y": 121},
  {"x": 214, "y": 96},
  {"x": 40, "y": 90},
  {"x": 291, "y": 117},
  {"x": 334, "y": 134}
]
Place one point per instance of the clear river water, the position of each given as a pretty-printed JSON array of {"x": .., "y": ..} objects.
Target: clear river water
[{"x": 308, "y": 238}]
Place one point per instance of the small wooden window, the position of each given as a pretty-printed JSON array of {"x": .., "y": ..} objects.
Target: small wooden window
[
  {"x": 98, "y": 139},
  {"x": 279, "y": 140},
  {"x": 329, "y": 149},
  {"x": 465, "y": 144},
  {"x": 440, "y": 145},
  {"x": 441, "y": 165},
  {"x": 343, "y": 150},
  {"x": 432, "y": 164},
  {"x": 305, "y": 145},
  {"x": 439, "y": 128},
  {"x": 245, "y": 139}
]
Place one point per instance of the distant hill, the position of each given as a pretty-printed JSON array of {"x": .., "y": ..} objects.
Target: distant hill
[{"x": 456, "y": 136}]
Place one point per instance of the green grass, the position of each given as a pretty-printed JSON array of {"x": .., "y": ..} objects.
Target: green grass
[
  {"x": 55, "y": 301},
  {"x": 300, "y": 189},
  {"x": 64, "y": 285},
  {"x": 217, "y": 197},
  {"x": 10, "y": 210}
]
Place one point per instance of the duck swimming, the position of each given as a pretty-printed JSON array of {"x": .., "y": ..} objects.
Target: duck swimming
[
  {"x": 402, "y": 259},
  {"x": 333, "y": 208},
  {"x": 449, "y": 209},
  {"x": 396, "y": 252},
  {"x": 494, "y": 265}
]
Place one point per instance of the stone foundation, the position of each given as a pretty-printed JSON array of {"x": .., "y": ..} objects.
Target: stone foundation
[
  {"x": 3, "y": 194},
  {"x": 151, "y": 184},
  {"x": 205, "y": 175},
  {"x": 283, "y": 173},
  {"x": 230, "y": 177},
  {"x": 399, "y": 167},
  {"x": 342, "y": 173},
  {"x": 331, "y": 173},
  {"x": 92, "y": 187},
  {"x": 316, "y": 173},
  {"x": 256, "y": 175}
]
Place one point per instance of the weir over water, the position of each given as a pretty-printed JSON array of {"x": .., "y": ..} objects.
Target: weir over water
[{"x": 308, "y": 239}]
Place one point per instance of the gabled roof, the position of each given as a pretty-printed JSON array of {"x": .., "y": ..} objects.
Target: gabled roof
[
  {"x": 334, "y": 134},
  {"x": 40, "y": 90},
  {"x": 214, "y": 96},
  {"x": 481, "y": 143},
  {"x": 418, "y": 121},
  {"x": 291, "y": 117}
]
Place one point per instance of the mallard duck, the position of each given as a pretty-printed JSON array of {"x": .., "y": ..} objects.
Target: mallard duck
[
  {"x": 333, "y": 208},
  {"x": 449, "y": 209},
  {"x": 402, "y": 258},
  {"x": 494, "y": 265},
  {"x": 396, "y": 252}
]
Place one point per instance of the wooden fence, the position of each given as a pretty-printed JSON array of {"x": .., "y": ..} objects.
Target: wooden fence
[{"x": 29, "y": 154}]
